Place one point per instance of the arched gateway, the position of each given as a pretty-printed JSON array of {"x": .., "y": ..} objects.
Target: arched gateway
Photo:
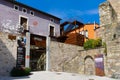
[{"x": 89, "y": 66}]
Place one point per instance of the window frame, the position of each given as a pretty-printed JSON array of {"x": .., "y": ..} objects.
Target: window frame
[
  {"x": 52, "y": 20},
  {"x": 32, "y": 12},
  {"x": 86, "y": 33},
  {"x": 24, "y": 9},
  {"x": 26, "y": 18},
  {"x": 53, "y": 30},
  {"x": 17, "y": 7}
]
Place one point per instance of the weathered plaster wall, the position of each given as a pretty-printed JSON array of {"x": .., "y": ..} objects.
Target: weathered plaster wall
[
  {"x": 70, "y": 58},
  {"x": 38, "y": 24},
  {"x": 8, "y": 54}
]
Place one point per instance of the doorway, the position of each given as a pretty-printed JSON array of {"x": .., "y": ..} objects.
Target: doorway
[
  {"x": 99, "y": 65},
  {"x": 89, "y": 65},
  {"x": 37, "y": 60},
  {"x": 37, "y": 53}
]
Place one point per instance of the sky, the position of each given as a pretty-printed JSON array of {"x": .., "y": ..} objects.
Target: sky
[{"x": 85, "y": 11}]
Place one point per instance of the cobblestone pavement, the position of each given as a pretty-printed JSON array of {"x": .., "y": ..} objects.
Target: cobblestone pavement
[{"x": 46, "y": 75}]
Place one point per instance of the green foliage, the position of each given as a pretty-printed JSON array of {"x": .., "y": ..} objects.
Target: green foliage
[
  {"x": 98, "y": 42},
  {"x": 15, "y": 72},
  {"x": 91, "y": 44},
  {"x": 27, "y": 71},
  {"x": 105, "y": 46}
]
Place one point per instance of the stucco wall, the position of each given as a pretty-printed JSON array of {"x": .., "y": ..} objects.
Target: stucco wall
[
  {"x": 8, "y": 54},
  {"x": 38, "y": 24}
]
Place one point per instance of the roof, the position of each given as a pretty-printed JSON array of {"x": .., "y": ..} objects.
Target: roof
[
  {"x": 91, "y": 23},
  {"x": 77, "y": 22},
  {"x": 13, "y": 1},
  {"x": 64, "y": 23},
  {"x": 71, "y": 25}
]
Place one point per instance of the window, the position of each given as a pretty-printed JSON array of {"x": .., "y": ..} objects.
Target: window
[
  {"x": 31, "y": 12},
  {"x": 82, "y": 32},
  {"x": 16, "y": 7},
  {"x": 51, "y": 31},
  {"x": 86, "y": 33},
  {"x": 23, "y": 24},
  {"x": 51, "y": 19},
  {"x": 24, "y": 10}
]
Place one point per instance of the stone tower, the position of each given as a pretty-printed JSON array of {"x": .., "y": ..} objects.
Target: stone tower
[{"x": 110, "y": 33}]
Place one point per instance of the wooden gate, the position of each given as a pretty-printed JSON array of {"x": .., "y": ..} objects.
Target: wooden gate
[{"x": 99, "y": 65}]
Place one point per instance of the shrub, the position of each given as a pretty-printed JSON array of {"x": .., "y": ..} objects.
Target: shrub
[
  {"x": 98, "y": 42},
  {"x": 27, "y": 71},
  {"x": 20, "y": 71},
  {"x": 91, "y": 44}
]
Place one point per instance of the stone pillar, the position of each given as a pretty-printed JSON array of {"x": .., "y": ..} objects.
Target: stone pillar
[
  {"x": 47, "y": 53},
  {"x": 27, "y": 56}
]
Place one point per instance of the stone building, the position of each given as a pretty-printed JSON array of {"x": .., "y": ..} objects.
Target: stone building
[
  {"x": 24, "y": 33},
  {"x": 110, "y": 33}
]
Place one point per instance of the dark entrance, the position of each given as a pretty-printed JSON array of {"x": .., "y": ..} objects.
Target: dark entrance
[{"x": 38, "y": 53}]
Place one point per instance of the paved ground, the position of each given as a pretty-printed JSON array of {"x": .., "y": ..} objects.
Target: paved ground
[{"x": 45, "y": 75}]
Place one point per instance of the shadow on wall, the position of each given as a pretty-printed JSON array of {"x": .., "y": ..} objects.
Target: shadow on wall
[{"x": 8, "y": 53}]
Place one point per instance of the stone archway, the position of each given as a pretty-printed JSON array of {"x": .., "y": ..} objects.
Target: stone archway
[{"x": 89, "y": 67}]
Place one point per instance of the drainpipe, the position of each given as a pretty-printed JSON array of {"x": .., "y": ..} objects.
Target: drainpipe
[
  {"x": 47, "y": 53},
  {"x": 27, "y": 55}
]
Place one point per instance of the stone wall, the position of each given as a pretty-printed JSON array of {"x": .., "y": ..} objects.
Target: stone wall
[
  {"x": 8, "y": 53},
  {"x": 71, "y": 58},
  {"x": 116, "y": 6},
  {"x": 109, "y": 22},
  {"x": 61, "y": 53},
  {"x": 84, "y": 62}
]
